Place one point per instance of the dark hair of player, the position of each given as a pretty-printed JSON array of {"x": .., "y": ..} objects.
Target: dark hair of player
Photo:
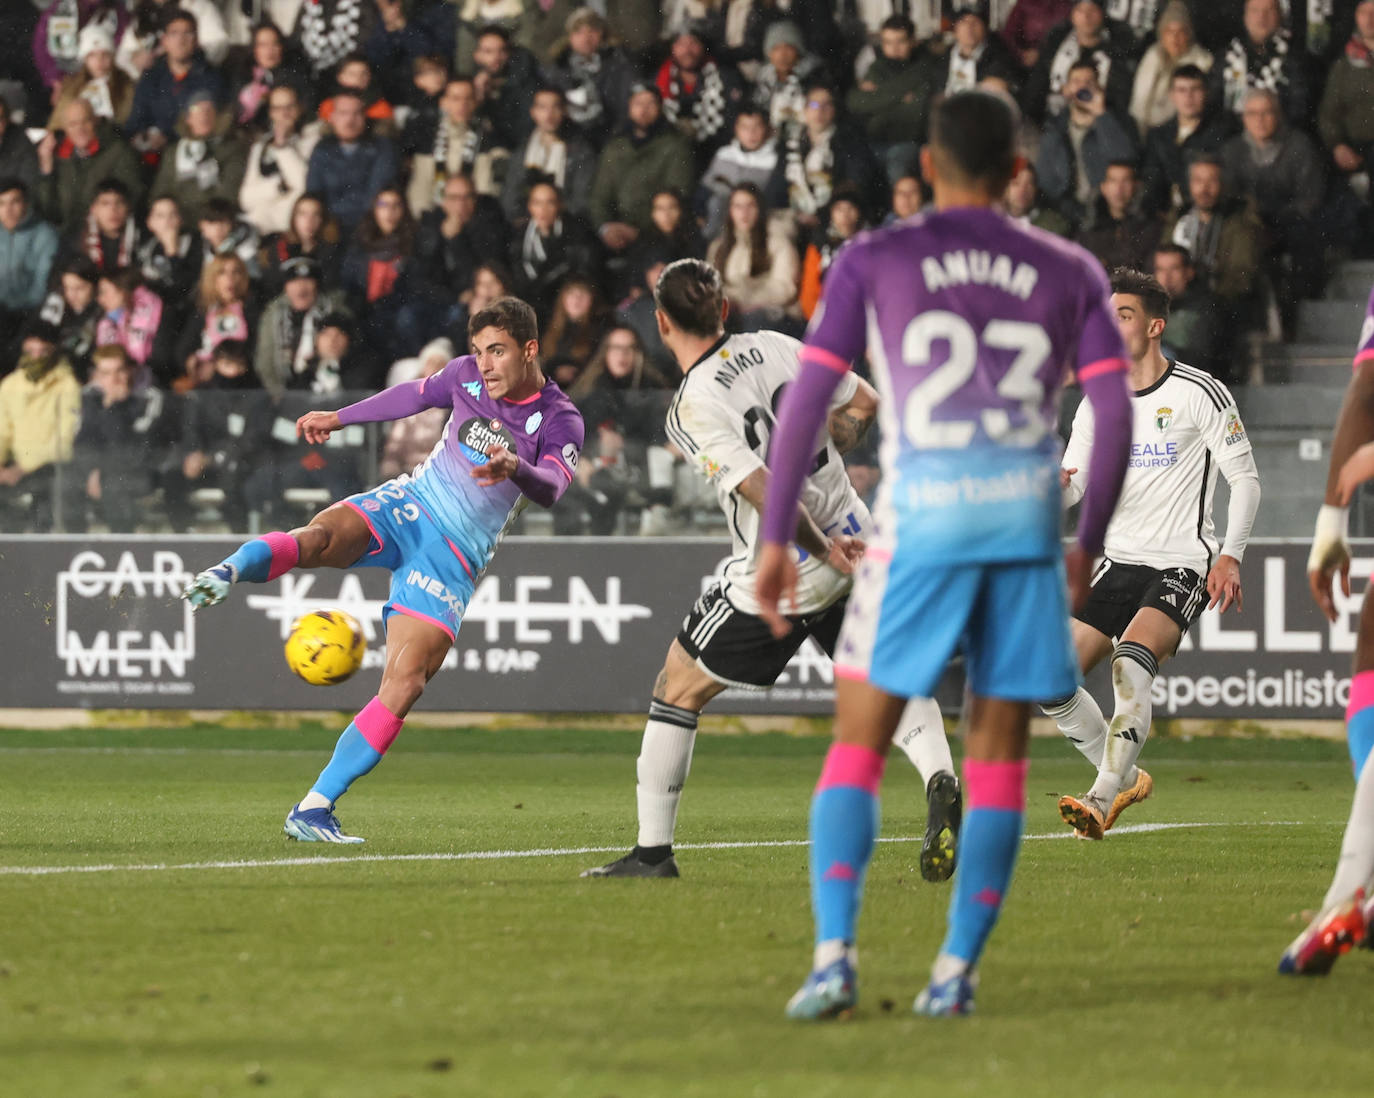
[
  {"x": 510, "y": 315},
  {"x": 690, "y": 292},
  {"x": 1153, "y": 297},
  {"x": 973, "y": 139}
]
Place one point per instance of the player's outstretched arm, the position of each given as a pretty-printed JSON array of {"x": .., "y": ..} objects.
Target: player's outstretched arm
[
  {"x": 850, "y": 422},
  {"x": 1354, "y": 430},
  {"x": 841, "y": 551},
  {"x": 1223, "y": 581},
  {"x": 316, "y": 427},
  {"x": 541, "y": 484}
]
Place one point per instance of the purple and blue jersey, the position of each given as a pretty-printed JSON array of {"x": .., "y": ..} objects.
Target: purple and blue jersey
[{"x": 1365, "y": 351}]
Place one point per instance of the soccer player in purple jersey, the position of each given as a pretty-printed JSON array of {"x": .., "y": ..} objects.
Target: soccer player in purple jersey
[
  {"x": 513, "y": 438},
  {"x": 971, "y": 324},
  {"x": 1348, "y": 908}
]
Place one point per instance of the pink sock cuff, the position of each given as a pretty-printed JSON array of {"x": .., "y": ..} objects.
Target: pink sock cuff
[
  {"x": 286, "y": 553},
  {"x": 997, "y": 785},
  {"x": 379, "y": 725},
  {"x": 852, "y": 765},
  {"x": 1361, "y": 693}
]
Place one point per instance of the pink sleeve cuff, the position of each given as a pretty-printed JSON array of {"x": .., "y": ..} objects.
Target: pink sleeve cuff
[
  {"x": 1100, "y": 367},
  {"x": 829, "y": 359}
]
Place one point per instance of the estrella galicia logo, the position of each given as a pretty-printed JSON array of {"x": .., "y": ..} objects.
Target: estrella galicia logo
[
  {"x": 474, "y": 388},
  {"x": 475, "y": 435}
]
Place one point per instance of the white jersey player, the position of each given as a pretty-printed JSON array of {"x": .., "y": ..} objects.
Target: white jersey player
[
  {"x": 721, "y": 419},
  {"x": 1162, "y": 564}
]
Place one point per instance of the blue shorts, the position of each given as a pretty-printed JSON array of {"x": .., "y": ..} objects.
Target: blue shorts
[
  {"x": 907, "y": 619},
  {"x": 431, "y": 579}
]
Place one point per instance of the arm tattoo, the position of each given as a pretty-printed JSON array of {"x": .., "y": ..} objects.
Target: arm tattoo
[{"x": 848, "y": 430}]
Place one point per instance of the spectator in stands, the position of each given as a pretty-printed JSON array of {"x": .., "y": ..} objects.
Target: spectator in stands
[
  {"x": 131, "y": 317},
  {"x": 1263, "y": 56},
  {"x": 409, "y": 441},
  {"x": 780, "y": 89},
  {"x": 108, "y": 89},
  {"x": 618, "y": 367},
  {"x": 1088, "y": 36},
  {"x": 758, "y": 265},
  {"x": 225, "y": 430},
  {"x": 490, "y": 281},
  {"x": 455, "y": 238},
  {"x": 40, "y": 406},
  {"x": 339, "y": 362},
  {"x": 382, "y": 278},
  {"x": 350, "y": 166},
  {"x": 395, "y": 44},
  {"x": 206, "y": 162},
  {"x": 332, "y": 30},
  {"x": 550, "y": 246},
  {"x": 73, "y": 312},
  {"x": 670, "y": 231},
  {"x": 266, "y": 69},
  {"x": 595, "y": 78},
  {"x": 648, "y": 157},
  {"x": 430, "y": 78},
  {"x": 226, "y": 310},
  {"x": 73, "y": 167},
  {"x": 1195, "y": 128},
  {"x": 821, "y": 155},
  {"x": 170, "y": 260},
  {"x": 62, "y": 31},
  {"x": 574, "y": 330},
  {"x": 474, "y": 17},
  {"x": 354, "y": 75},
  {"x": 1152, "y": 97},
  {"x": 28, "y": 247},
  {"x": 843, "y": 219},
  {"x": 433, "y": 357},
  {"x": 892, "y": 100},
  {"x": 312, "y": 234},
  {"x": 1080, "y": 142},
  {"x": 18, "y": 157},
  {"x": 505, "y": 76},
  {"x": 1196, "y": 333},
  {"x": 637, "y": 312},
  {"x": 751, "y": 157},
  {"x": 140, "y": 45},
  {"x": 109, "y": 235},
  {"x": 461, "y": 143},
  {"x": 1118, "y": 234},
  {"x": 277, "y": 165},
  {"x": 908, "y": 196},
  {"x": 554, "y": 152},
  {"x": 286, "y": 332},
  {"x": 1224, "y": 235},
  {"x": 1028, "y": 24},
  {"x": 123, "y": 439},
  {"x": 1024, "y": 204},
  {"x": 975, "y": 55},
  {"x": 700, "y": 94},
  {"x": 1345, "y": 118},
  {"x": 166, "y": 87}
]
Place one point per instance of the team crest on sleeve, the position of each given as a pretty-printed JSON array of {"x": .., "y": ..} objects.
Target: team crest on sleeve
[
  {"x": 1235, "y": 431},
  {"x": 710, "y": 468},
  {"x": 1163, "y": 418},
  {"x": 474, "y": 388},
  {"x": 570, "y": 456},
  {"x": 532, "y": 424}
]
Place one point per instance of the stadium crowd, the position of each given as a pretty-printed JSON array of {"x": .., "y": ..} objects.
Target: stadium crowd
[{"x": 217, "y": 214}]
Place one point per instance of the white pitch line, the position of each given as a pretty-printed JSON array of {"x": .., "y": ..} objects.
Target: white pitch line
[{"x": 548, "y": 852}]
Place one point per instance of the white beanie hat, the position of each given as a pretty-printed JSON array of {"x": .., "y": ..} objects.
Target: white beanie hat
[{"x": 92, "y": 39}]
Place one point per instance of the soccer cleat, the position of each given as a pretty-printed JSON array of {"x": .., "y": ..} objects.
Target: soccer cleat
[
  {"x": 1144, "y": 786},
  {"x": 633, "y": 866},
  {"x": 944, "y": 812},
  {"x": 948, "y": 999},
  {"x": 1081, "y": 815},
  {"x": 210, "y": 587},
  {"x": 1334, "y": 931},
  {"x": 830, "y": 992},
  {"x": 316, "y": 825}
]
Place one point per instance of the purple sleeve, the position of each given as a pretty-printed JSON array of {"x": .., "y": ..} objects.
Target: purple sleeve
[
  {"x": 839, "y": 325},
  {"x": 405, "y": 399},
  {"x": 548, "y": 478},
  {"x": 793, "y": 449}
]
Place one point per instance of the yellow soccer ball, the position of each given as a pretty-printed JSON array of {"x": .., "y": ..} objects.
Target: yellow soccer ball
[{"x": 325, "y": 647}]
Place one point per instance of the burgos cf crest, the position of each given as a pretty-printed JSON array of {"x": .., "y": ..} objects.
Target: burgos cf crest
[{"x": 1163, "y": 417}]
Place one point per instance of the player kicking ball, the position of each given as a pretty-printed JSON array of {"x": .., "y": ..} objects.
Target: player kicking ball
[
  {"x": 1162, "y": 563},
  {"x": 969, "y": 322},
  {"x": 721, "y": 419},
  {"x": 1348, "y": 907},
  {"x": 513, "y": 439}
]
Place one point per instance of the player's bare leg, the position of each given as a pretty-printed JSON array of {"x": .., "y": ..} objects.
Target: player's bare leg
[
  {"x": 1150, "y": 639},
  {"x": 334, "y": 538},
  {"x": 415, "y": 651},
  {"x": 844, "y": 826},
  {"x": 995, "y": 768}
]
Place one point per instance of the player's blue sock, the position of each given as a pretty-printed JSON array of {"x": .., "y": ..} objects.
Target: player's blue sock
[
  {"x": 1359, "y": 719},
  {"x": 844, "y": 823},
  {"x": 265, "y": 558},
  {"x": 359, "y": 749},
  {"x": 988, "y": 843}
]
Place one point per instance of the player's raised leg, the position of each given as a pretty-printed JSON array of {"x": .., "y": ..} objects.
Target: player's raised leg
[
  {"x": 1078, "y": 716},
  {"x": 921, "y": 736},
  {"x": 334, "y": 538},
  {"x": 415, "y": 650}
]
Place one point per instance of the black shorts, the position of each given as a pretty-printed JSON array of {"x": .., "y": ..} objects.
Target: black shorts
[
  {"x": 740, "y": 650},
  {"x": 1119, "y": 590}
]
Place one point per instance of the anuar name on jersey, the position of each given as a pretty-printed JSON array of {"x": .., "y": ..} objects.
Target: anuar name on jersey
[
  {"x": 1187, "y": 427},
  {"x": 721, "y": 419}
]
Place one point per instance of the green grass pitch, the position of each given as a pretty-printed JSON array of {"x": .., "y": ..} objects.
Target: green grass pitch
[{"x": 1143, "y": 965}]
